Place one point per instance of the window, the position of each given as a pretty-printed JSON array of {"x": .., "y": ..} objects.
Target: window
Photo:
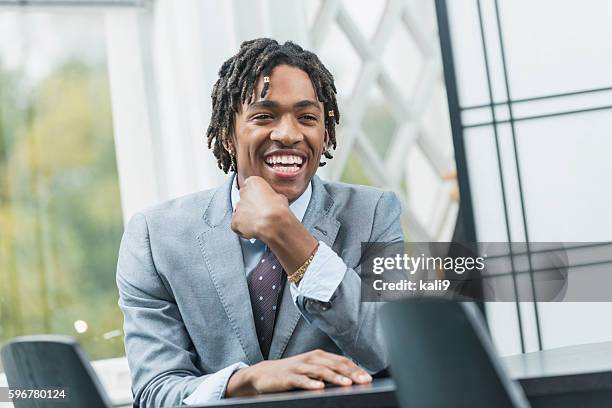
[
  {"x": 60, "y": 209},
  {"x": 533, "y": 102},
  {"x": 394, "y": 130}
]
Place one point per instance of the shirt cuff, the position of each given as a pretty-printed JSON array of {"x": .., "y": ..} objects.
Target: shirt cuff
[
  {"x": 214, "y": 385},
  {"x": 322, "y": 277}
]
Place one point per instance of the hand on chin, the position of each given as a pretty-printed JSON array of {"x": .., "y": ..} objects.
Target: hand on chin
[{"x": 259, "y": 209}]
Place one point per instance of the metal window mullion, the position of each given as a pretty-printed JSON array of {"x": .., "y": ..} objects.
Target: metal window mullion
[
  {"x": 541, "y": 97},
  {"x": 500, "y": 170},
  {"x": 518, "y": 170},
  {"x": 542, "y": 116}
]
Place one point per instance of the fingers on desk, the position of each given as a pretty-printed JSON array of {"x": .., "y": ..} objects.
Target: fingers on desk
[
  {"x": 340, "y": 365},
  {"x": 325, "y": 373},
  {"x": 305, "y": 382}
]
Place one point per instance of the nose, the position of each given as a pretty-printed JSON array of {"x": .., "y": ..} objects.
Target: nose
[{"x": 287, "y": 131}]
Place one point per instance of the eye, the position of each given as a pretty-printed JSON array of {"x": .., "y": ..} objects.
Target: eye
[
  {"x": 262, "y": 116},
  {"x": 309, "y": 118}
]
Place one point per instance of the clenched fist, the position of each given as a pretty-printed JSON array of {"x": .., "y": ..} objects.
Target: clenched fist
[{"x": 259, "y": 208}]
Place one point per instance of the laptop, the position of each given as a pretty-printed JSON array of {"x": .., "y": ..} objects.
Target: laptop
[{"x": 441, "y": 355}]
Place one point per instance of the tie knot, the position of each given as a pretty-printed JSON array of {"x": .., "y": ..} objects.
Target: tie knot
[{"x": 269, "y": 255}]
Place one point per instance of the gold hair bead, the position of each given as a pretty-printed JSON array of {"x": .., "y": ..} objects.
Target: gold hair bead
[
  {"x": 330, "y": 113},
  {"x": 266, "y": 79}
]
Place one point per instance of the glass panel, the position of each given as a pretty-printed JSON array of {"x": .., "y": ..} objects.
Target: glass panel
[
  {"x": 355, "y": 172},
  {"x": 423, "y": 187},
  {"x": 436, "y": 125},
  {"x": 575, "y": 323},
  {"x": 378, "y": 122},
  {"x": 339, "y": 56},
  {"x": 60, "y": 212},
  {"x": 545, "y": 57},
  {"x": 467, "y": 52},
  {"x": 403, "y": 61},
  {"x": 311, "y": 9},
  {"x": 485, "y": 184},
  {"x": 503, "y": 323},
  {"x": 476, "y": 116},
  {"x": 568, "y": 166},
  {"x": 366, "y": 14}
]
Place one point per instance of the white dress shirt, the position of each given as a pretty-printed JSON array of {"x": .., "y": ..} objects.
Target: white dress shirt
[{"x": 319, "y": 283}]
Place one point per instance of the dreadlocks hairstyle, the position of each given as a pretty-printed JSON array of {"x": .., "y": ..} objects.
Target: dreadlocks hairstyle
[{"x": 236, "y": 84}]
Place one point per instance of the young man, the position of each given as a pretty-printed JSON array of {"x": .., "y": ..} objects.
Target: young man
[{"x": 254, "y": 287}]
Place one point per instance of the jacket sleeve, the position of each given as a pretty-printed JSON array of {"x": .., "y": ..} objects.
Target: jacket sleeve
[
  {"x": 159, "y": 350},
  {"x": 352, "y": 324}
]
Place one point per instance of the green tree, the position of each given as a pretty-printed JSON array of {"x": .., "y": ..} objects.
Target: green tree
[{"x": 60, "y": 212}]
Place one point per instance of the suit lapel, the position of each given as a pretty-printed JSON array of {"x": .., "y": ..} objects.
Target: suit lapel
[
  {"x": 324, "y": 227},
  {"x": 223, "y": 257}
]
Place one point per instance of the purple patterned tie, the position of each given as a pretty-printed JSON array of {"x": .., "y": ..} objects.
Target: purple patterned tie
[{"x": 266, "y": 283}]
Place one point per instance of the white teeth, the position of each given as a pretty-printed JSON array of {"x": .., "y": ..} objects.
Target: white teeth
[
  {"x": 283, "y": 169},
  {"x": 284, "y": 159}
]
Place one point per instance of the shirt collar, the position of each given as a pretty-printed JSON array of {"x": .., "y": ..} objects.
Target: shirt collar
[{"x": 298, "y": 207}]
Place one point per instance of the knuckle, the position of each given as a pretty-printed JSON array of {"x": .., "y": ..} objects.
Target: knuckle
[
  {"x": 327, "y": 373},
  {"x": 318, "y": 370},
  {"x": 296, "y": 381},
  {"x": 347, "y": 367},
  {"x": 348, "y": 362},
  {"x": 300, "y": 368}
]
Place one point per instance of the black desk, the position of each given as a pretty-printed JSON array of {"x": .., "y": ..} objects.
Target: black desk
[
  {"x": 380, "y": 394},
  {"x": 576, "y": 376}
]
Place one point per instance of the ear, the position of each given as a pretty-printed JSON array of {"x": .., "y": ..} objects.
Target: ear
[
  {"x": 228, "y": 144},
  {"x": 326, "y": 138}
]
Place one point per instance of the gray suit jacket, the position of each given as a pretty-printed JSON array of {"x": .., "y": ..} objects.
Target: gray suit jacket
[{"x": 184, "y": 295}]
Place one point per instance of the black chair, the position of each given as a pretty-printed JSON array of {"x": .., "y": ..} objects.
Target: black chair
[
  {"x": 43, "y": 362},
  {"x": 441, "y": 356}
]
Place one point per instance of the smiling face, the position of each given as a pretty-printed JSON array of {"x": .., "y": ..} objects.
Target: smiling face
[{"x": 281, "y": 136}]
